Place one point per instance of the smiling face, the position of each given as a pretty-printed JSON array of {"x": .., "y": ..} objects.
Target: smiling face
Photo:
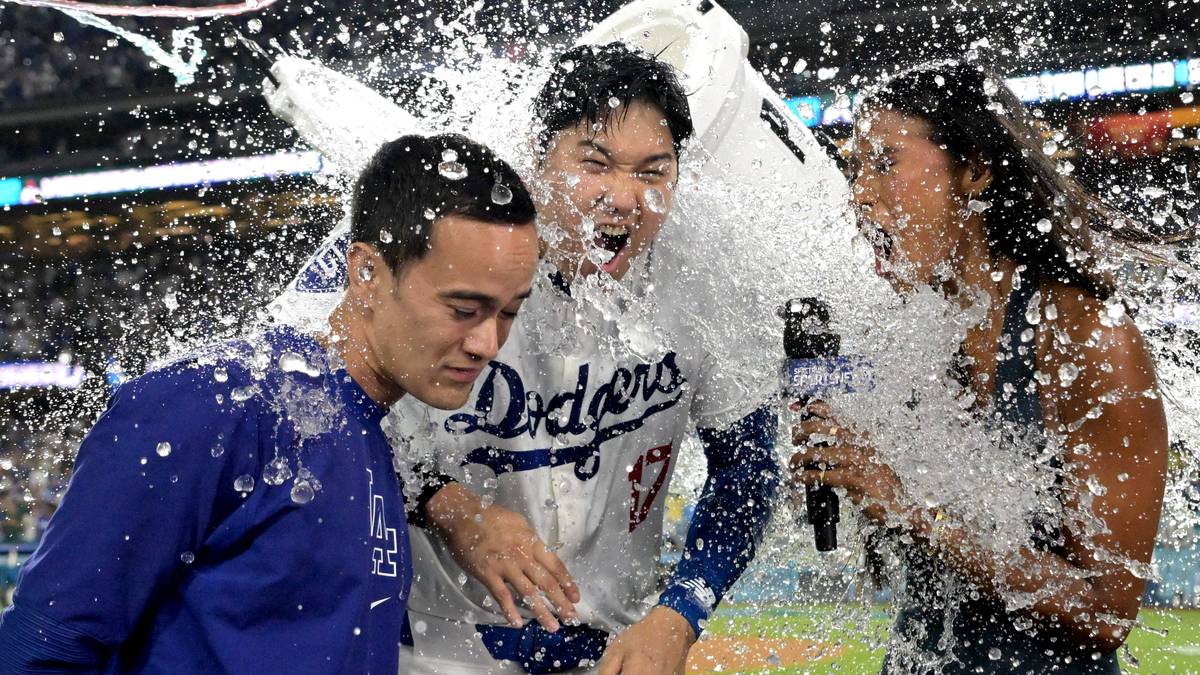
[
  {"x": 610, "y": 190},
  {"x": 911, "y": 197},
  {"x": 431, "y": 328}
]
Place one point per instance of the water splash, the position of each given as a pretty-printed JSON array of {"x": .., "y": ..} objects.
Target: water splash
[{"x": 183, "y": 42}]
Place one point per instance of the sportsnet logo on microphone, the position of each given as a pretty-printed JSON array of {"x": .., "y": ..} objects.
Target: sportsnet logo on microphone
[{"x": 815, "y": 378}]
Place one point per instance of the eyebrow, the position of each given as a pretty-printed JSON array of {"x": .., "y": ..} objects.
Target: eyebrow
[
  {"x": 662, "y": 156},
  {"x": 476, "y": 296}
]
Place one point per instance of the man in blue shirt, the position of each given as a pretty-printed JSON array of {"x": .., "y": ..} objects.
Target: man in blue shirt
[{"x": 237, "y": 510}]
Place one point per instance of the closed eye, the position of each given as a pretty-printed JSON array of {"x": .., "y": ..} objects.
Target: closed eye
[{"x": 462, "y": 312}]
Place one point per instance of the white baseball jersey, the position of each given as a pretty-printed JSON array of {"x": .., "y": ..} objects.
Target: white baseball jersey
[{"x": 583, "y": 445}]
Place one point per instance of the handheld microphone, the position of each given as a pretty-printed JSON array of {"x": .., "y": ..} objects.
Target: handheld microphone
[{"x": 814, "y": 366}]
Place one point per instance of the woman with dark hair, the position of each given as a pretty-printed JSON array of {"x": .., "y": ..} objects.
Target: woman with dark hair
[{"x": 955, "y": 192}]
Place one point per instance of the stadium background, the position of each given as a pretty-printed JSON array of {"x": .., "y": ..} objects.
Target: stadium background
[{"x": 138, "y": 215}]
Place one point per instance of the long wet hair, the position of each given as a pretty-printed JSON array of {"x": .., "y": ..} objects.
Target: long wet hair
[{"x": 977, "y": 118}]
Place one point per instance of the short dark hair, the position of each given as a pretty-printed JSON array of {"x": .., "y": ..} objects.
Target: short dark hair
[
  {"x": 414, "y": 180},
  {"x": 585, "y": 79}
]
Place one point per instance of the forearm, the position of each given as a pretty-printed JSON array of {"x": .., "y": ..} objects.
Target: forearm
[
  {"x": 451, "y": 507},
  {"x": 731, "y": 514},
  {"x": 1060, "y": 592}
]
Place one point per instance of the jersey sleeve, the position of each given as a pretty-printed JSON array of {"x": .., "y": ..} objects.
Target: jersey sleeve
[
  {"x": 730, "y": 516},
  {"x": 151, "y": 479},
  {"x": 721, "y": 398}
]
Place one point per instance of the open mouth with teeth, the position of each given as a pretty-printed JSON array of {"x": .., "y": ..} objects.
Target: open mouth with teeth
[
  {"x": 881, "y": 241},
  {"x": 611, "y": 241}
]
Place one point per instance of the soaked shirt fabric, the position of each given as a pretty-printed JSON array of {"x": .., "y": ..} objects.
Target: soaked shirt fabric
[
  {"x": 987, "y": 637},
  {"x": 583, "y": 444},
  {"x": 233, "y": 512}
]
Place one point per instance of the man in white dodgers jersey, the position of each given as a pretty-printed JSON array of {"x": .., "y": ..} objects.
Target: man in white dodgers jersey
[{"x": 544, "y": 495}]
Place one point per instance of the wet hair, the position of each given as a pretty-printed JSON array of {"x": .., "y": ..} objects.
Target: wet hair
[
  {"x": 411, "y": 182},
  {"x": 978, "y": 119},
  {"x": 586, "y": 79}
]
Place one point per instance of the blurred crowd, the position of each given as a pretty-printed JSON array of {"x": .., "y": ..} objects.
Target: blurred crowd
[
  {"x": 112, "y": 313},
  {"x": 46, "y": 55}
]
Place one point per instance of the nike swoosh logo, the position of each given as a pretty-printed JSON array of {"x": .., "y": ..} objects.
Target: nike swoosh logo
[{"x": 380, "y": 602}]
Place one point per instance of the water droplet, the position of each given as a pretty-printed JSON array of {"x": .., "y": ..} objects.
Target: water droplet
[
  {"x": 220, "y": 374},
  {"x": 501, "y": 195},
  {"x": 994, "y": 654},
  {"x": 997, "y": 276},
  {"x": 1113, "y": 312},
  {"x": 365, "y": 274},
  {"x": 217, "y": 450},
  {"x": 187, "y": 557},
  {"x": 291, "y": 362},
  {"x": 1050, "y": 147},
  {"x": 978, "y": 206},
  {"x": 357, "y": 630},
  {"x": 1067, "y": 373},
  {"x": 614, "y": 102},
  {"x": 302, "y": 492},
  {"x": 452, "y": 170},
  {"x": 163, "y": 449},
  {"x": 800, "y": 67},
  {"x": 699, "y": 544},
  {"x": 1095, "y": 90},
  {"x": 826, "y": 27},
  {"x": 654, "y": 200},
  {"x": 1027, "y": 335},
  {"x": 243, "y": 393},
  {"x": 386, "y": 237},
  {"x": 1051, "y": 312},
  {"x": 449, "y": 155},
  {"x": 429, "y": 214},
  {"x": 171, "y": 301},
  {"x": 1187, "y": 97},
  {"x": 1096, "y": 487},
  {"x": 1043, "y": 225},
  {"x": 244, "y": 484},
  {"x": 1122, "y": 476},
  {"x": 254, "y": 25},
  {"x": 277, "y": 471}
]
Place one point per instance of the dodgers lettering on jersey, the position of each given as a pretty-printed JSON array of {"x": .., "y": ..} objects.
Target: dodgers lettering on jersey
[
  {"x": 583, "y": 446},
  {"x": 564, "y": 415}
]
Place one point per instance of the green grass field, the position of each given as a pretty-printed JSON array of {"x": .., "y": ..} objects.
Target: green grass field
[{"x": 1176, "y": 651}]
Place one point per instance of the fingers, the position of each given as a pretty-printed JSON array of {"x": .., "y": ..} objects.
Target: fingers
[
  {"x": 556, "y": 567},
  {"x": 552, "y": 577},
  {"x": 826, "y": 431},
  {"x": 827, "y": 457},
  {"x": 532, "y": 599},
  {"x": 504, "y": 597},
  {"x": 843, "y": 478},
  {"x": 549, "y": 585}
]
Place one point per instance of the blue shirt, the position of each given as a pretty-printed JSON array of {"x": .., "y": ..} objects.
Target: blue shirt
[{"x": 236, "y": 511}]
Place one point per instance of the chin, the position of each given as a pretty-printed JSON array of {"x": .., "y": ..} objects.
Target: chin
[{"x": 444, "y": 397}]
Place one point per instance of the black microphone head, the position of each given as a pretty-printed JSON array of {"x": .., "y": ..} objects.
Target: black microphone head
[{"x": 806, "y": 333}]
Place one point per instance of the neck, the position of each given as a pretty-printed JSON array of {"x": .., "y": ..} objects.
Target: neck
[{"x": 348, "y": 339}]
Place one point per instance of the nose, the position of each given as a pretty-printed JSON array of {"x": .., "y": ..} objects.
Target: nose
[
  {"x": 483, "y": 341},
  {"x": 620, "y": 195}
]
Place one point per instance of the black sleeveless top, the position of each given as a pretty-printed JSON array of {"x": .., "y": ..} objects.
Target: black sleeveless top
[{"x": 988, "y": 638}]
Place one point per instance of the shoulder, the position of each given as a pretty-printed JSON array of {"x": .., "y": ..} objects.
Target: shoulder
[
  {"x": 1092, "y": 347},
  {"x": 208, "y": 379}
]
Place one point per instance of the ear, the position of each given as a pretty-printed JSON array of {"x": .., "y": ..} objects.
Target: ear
[
  {"x": 976, "y": 175},
  {"x": 364, "y": 269}
]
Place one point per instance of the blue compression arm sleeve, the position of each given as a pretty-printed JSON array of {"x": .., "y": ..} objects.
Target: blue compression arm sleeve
[{"x": 730, "y": 517}]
